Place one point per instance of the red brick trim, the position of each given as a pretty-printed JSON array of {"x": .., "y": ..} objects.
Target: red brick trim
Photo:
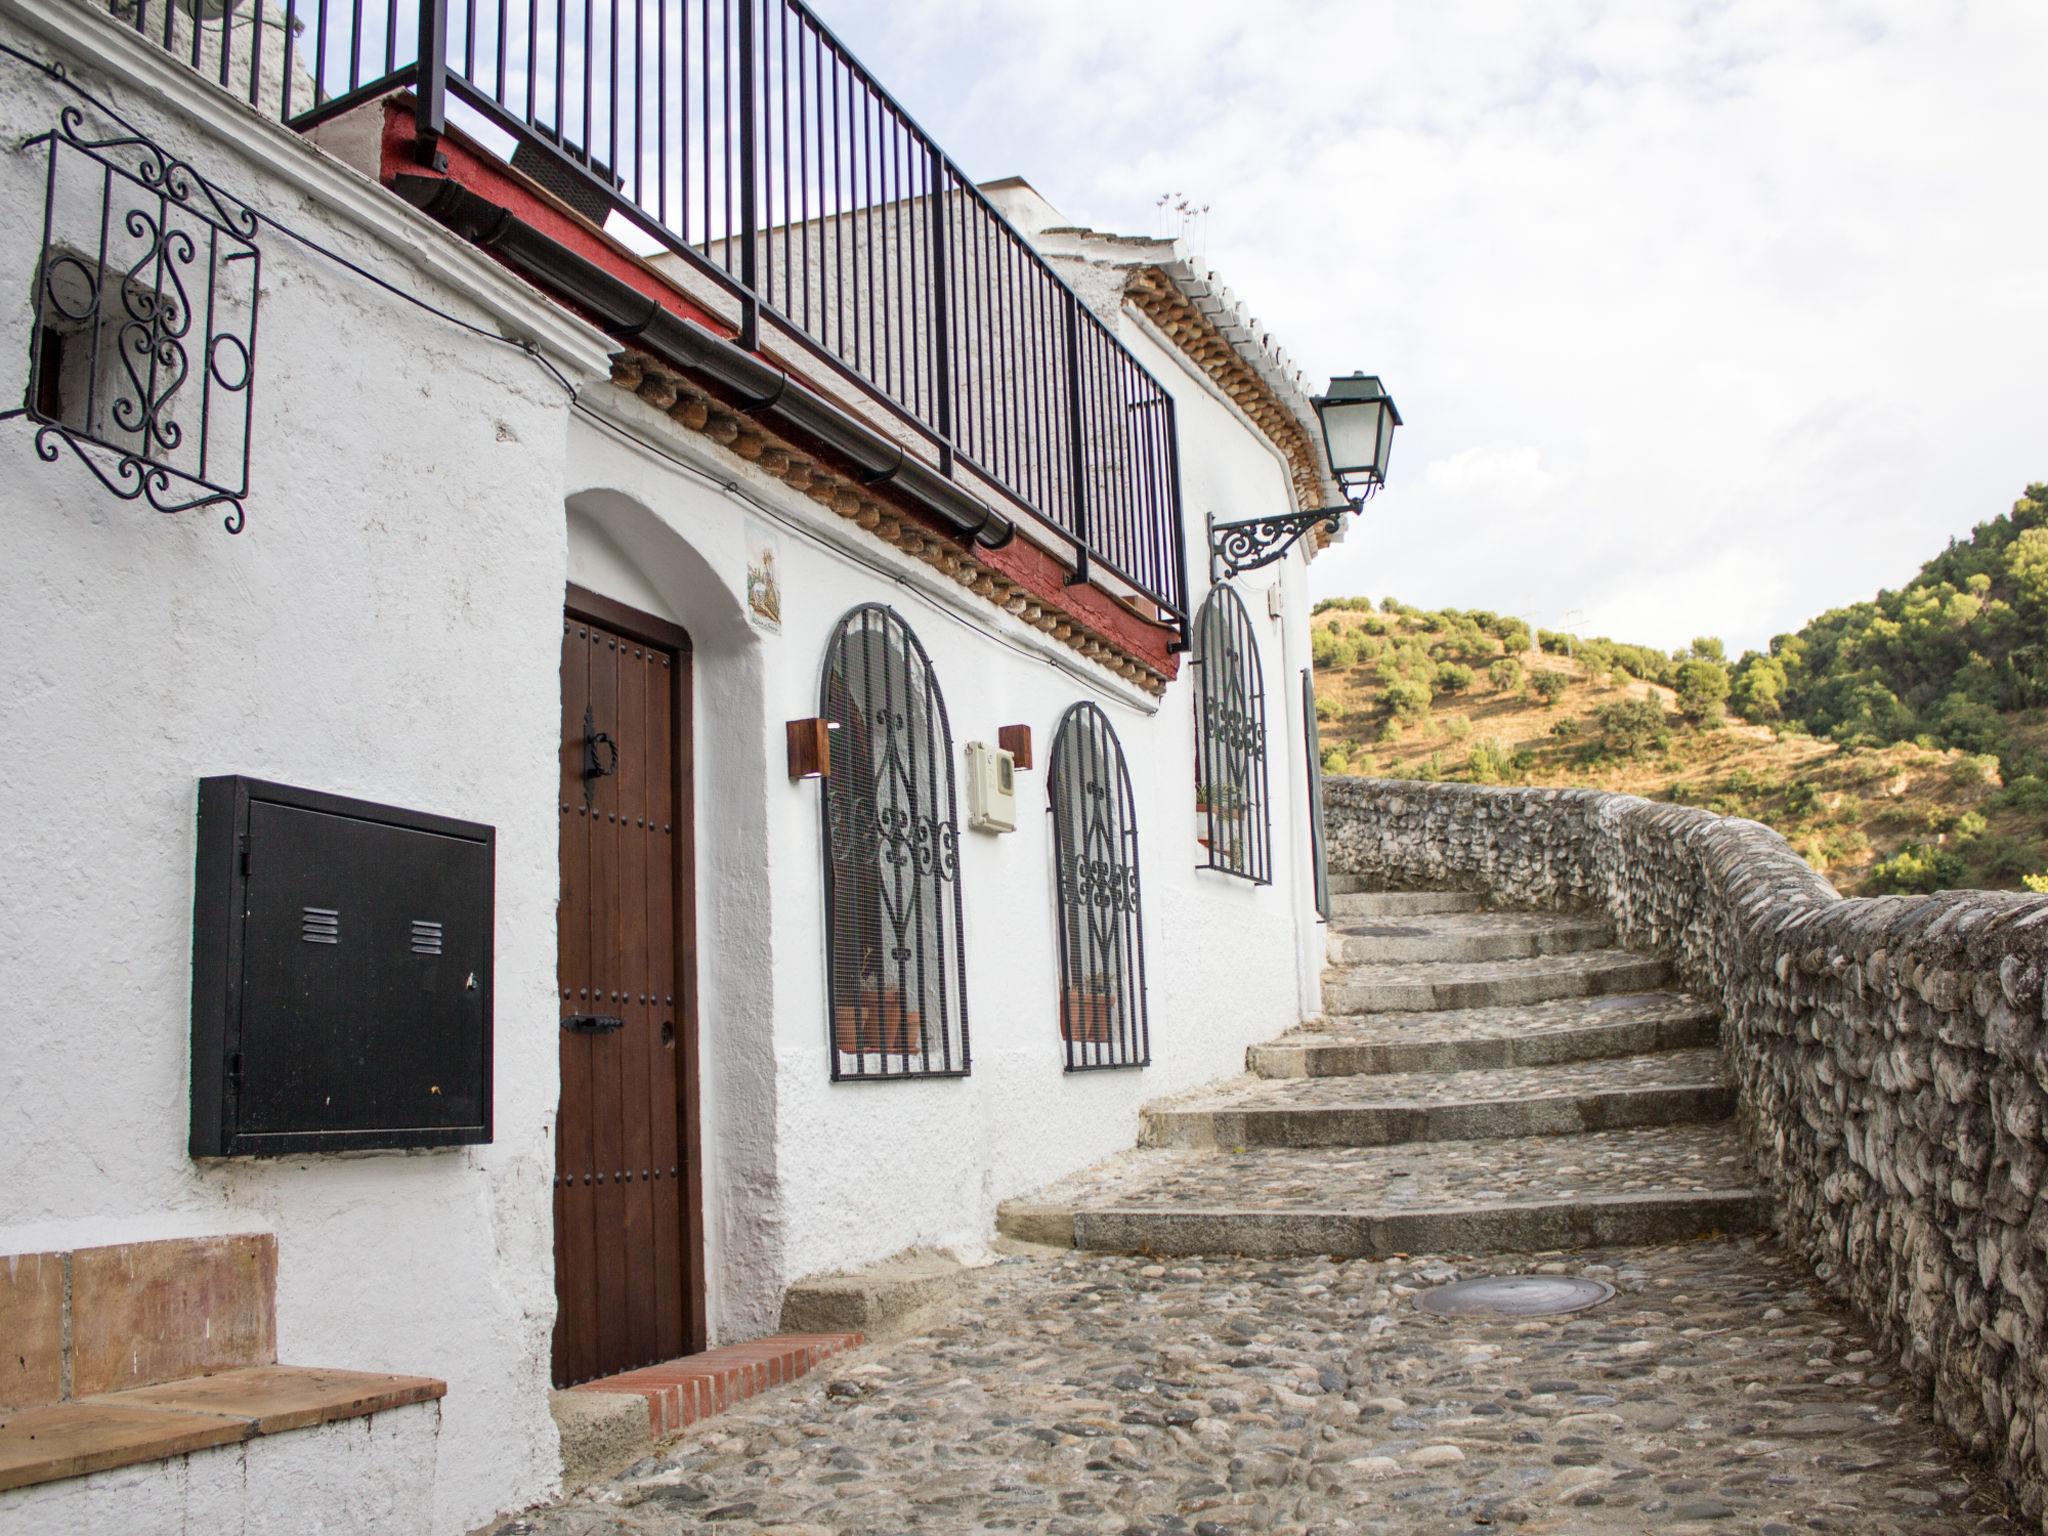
[{"x": 680, "y": 1392}]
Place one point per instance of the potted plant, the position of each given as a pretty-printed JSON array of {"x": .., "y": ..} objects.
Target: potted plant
[
  {"x": 876, "y": 1020},
  {"x": 1088, "y": 1012},
  {"x": 1223, "y": 801}
]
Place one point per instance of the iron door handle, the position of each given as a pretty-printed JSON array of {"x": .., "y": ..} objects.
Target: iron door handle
[{"x": 593, "y": 1023}]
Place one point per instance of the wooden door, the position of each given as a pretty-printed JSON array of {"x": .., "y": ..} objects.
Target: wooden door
[{"x": 628, "y": 1195}]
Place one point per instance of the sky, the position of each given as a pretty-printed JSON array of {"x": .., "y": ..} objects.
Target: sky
[{"x": 1703, "y": 318}]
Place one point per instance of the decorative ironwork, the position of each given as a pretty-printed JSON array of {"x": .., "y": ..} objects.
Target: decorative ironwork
[
  {"x": 893, "y": 928},
  {"x": 1104, "y": 1021},
  {"x": 1232, "y": 798},
  {"x": 1319, "y": 854},
  {"x": 143, "y": 351},
  {"x": 747, "y": 140},
  {"x": 1235, "y": 548}
]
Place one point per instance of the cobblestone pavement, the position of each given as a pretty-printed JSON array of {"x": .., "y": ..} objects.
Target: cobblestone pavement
[
  {"x": 1718, "y": 1391},
  {"x": 1677, "y": 1157},
  {"x": 1664, "y": 1069},
  {"x": 1489, "y": 1023}
]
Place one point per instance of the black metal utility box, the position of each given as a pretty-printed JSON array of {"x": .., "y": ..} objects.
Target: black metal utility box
[{"x": 341, "y": 974}]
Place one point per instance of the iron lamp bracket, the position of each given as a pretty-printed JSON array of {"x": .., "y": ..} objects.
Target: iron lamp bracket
[{"x": 1235, "y": 548}]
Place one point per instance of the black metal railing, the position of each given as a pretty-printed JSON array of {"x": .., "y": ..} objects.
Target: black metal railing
[{"x": 743, "y": 138}]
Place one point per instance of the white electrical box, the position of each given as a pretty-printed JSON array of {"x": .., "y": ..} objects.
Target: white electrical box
[{"x": 991, "y": 788}]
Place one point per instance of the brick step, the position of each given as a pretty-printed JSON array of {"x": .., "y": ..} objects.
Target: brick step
[
  {"x": 1472, "y": 1039},
  {"x": 1464, "y": 936},
  {"x": 1668, "y": 1088},
  {"x": 1345, "y": 904},
  {"x": 1413, "y": 985},
  {"x": 611, "y": 1422}
]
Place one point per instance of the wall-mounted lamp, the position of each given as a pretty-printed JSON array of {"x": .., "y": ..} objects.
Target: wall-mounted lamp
[
  {"x": 1015, "y": 740},
  {"x": 1358, "y": 417},
  {"x": 810, "y": 747}
]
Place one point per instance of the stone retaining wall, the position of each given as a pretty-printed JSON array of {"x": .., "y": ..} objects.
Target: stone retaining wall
[{"x": 1892, "y": 1055}]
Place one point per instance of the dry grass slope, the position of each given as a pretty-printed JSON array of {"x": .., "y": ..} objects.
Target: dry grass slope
[{"x": 1847, "y": 810}]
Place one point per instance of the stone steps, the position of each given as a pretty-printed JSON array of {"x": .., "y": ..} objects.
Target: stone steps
[
  {"x": 1349, "y": 904},
  {"x": 1655, "y": 1185},
  {"x": 1443, "y": 984},
  {"x": 1665, "y": 1088},
  {"x": 1464, "y": 936},
  {"x": 1472, "y": 1039}
]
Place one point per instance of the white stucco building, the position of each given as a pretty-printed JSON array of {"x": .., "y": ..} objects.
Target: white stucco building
[{"x": 546, "y": 536}]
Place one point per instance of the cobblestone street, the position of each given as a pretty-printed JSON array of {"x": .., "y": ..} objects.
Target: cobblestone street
[{"x": 1718, "y": 1391}]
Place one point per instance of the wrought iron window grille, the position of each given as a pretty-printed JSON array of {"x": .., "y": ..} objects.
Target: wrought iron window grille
[
  {"x": 896, "y": 982},
  {"x": 1232, "y": 797},
  {"x": 1103, "y": 1017},
  {"x": 1319, "y": 854},
  {"x": 142, "y": 353}
]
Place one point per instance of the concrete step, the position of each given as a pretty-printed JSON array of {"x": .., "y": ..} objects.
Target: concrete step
[
  {"x": 1349, "y": 904},
  {"x": 1438, "y": 984},
  {"x": 1613, "y": 1187},
  {"x": 1471, "y": 1039},
  {"x": 1465, "y": 936},
  {"x": 1668, "y": 1088}
]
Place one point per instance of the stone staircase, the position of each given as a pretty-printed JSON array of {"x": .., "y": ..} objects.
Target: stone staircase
[{"x": 1481, "y": 1081}]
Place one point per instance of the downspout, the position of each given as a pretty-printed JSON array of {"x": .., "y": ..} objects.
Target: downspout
[{"x": 762, "y": 389}]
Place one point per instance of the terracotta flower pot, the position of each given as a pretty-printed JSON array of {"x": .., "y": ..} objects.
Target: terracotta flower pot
[
  {"x": 1088, "y": 1017},
  {"x": 877, "y": 1021}
]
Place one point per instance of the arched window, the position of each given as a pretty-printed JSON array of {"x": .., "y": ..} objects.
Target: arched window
[
  {"x": 1231, "y": 800},
  {"x": 898, "y": 998},
  {"x": 1103, "y": 1019}
]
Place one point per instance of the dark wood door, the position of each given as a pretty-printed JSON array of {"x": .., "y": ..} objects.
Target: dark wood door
[{"x": 628, "y": 1237}]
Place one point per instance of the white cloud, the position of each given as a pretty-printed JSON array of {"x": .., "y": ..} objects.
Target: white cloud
[{"x": 1758, "y": 287}]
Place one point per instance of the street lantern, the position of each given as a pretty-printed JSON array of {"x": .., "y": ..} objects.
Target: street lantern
[{"x": 1358, "y": 417}]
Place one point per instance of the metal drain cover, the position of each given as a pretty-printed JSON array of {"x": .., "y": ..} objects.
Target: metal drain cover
[{"x": 1515, "y": 1296}]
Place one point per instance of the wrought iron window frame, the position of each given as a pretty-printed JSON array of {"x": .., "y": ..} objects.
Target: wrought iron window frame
[
  {"x": 944, "y": 856},
  {"x": 1231, "y": 749},
  {"x": 156, "y": 325},
  {"x": 1118, "y": 883}
]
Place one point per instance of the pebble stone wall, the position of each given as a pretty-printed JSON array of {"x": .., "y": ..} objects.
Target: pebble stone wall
[{"x": 1892, "y": 1055}]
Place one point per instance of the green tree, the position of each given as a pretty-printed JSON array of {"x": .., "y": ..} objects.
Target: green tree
[
  {"x": 1408, "y": 699},
  {"x": 1631, "y": 727},
  {"x": 1758, "y": 687},
  {"x": 1709, "y": 648},
  {"x": 1505, "y": 675},
  {"x": 1549, "y": 685},
  {"x": 1702, "y": 690},
  {"x": 1453, "y": 678}
]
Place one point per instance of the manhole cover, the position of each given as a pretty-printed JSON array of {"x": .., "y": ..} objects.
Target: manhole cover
[{"x": 1516, "y": 1295}]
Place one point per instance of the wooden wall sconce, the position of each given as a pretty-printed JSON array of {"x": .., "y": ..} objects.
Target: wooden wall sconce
[
  {"x": 810, "y": 748},
  {"x": 1015, "y": 740}
]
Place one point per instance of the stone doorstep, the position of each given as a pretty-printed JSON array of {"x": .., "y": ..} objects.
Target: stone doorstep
[
  {"x": 118, "y": 1429},
  {"x": 883, "y": 1301},
  {"x": 1336, "y": 1057},
  {"x": 680, "y": 1392}
]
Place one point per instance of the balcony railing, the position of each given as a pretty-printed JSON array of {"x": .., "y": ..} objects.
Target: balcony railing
[{"x": 742, "y": 137}]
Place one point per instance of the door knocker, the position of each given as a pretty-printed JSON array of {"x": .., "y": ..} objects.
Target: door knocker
[{"x": 596, "y": 763}]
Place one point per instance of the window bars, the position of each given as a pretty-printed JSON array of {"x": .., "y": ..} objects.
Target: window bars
[
  {"x": 1318, "y": 853},
  {"x": 1232, "y": 801},
  {"x": 1103, "y": 1016},
  {"x": 143, "y": 345},
  {"x": 893, "y": 930}
]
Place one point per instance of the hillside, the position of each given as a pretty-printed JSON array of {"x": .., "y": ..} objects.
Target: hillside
[{"x": 1472, "y": 696}]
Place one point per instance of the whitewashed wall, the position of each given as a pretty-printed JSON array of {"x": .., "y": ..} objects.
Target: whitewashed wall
[{"x": 388, "y": 627}]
